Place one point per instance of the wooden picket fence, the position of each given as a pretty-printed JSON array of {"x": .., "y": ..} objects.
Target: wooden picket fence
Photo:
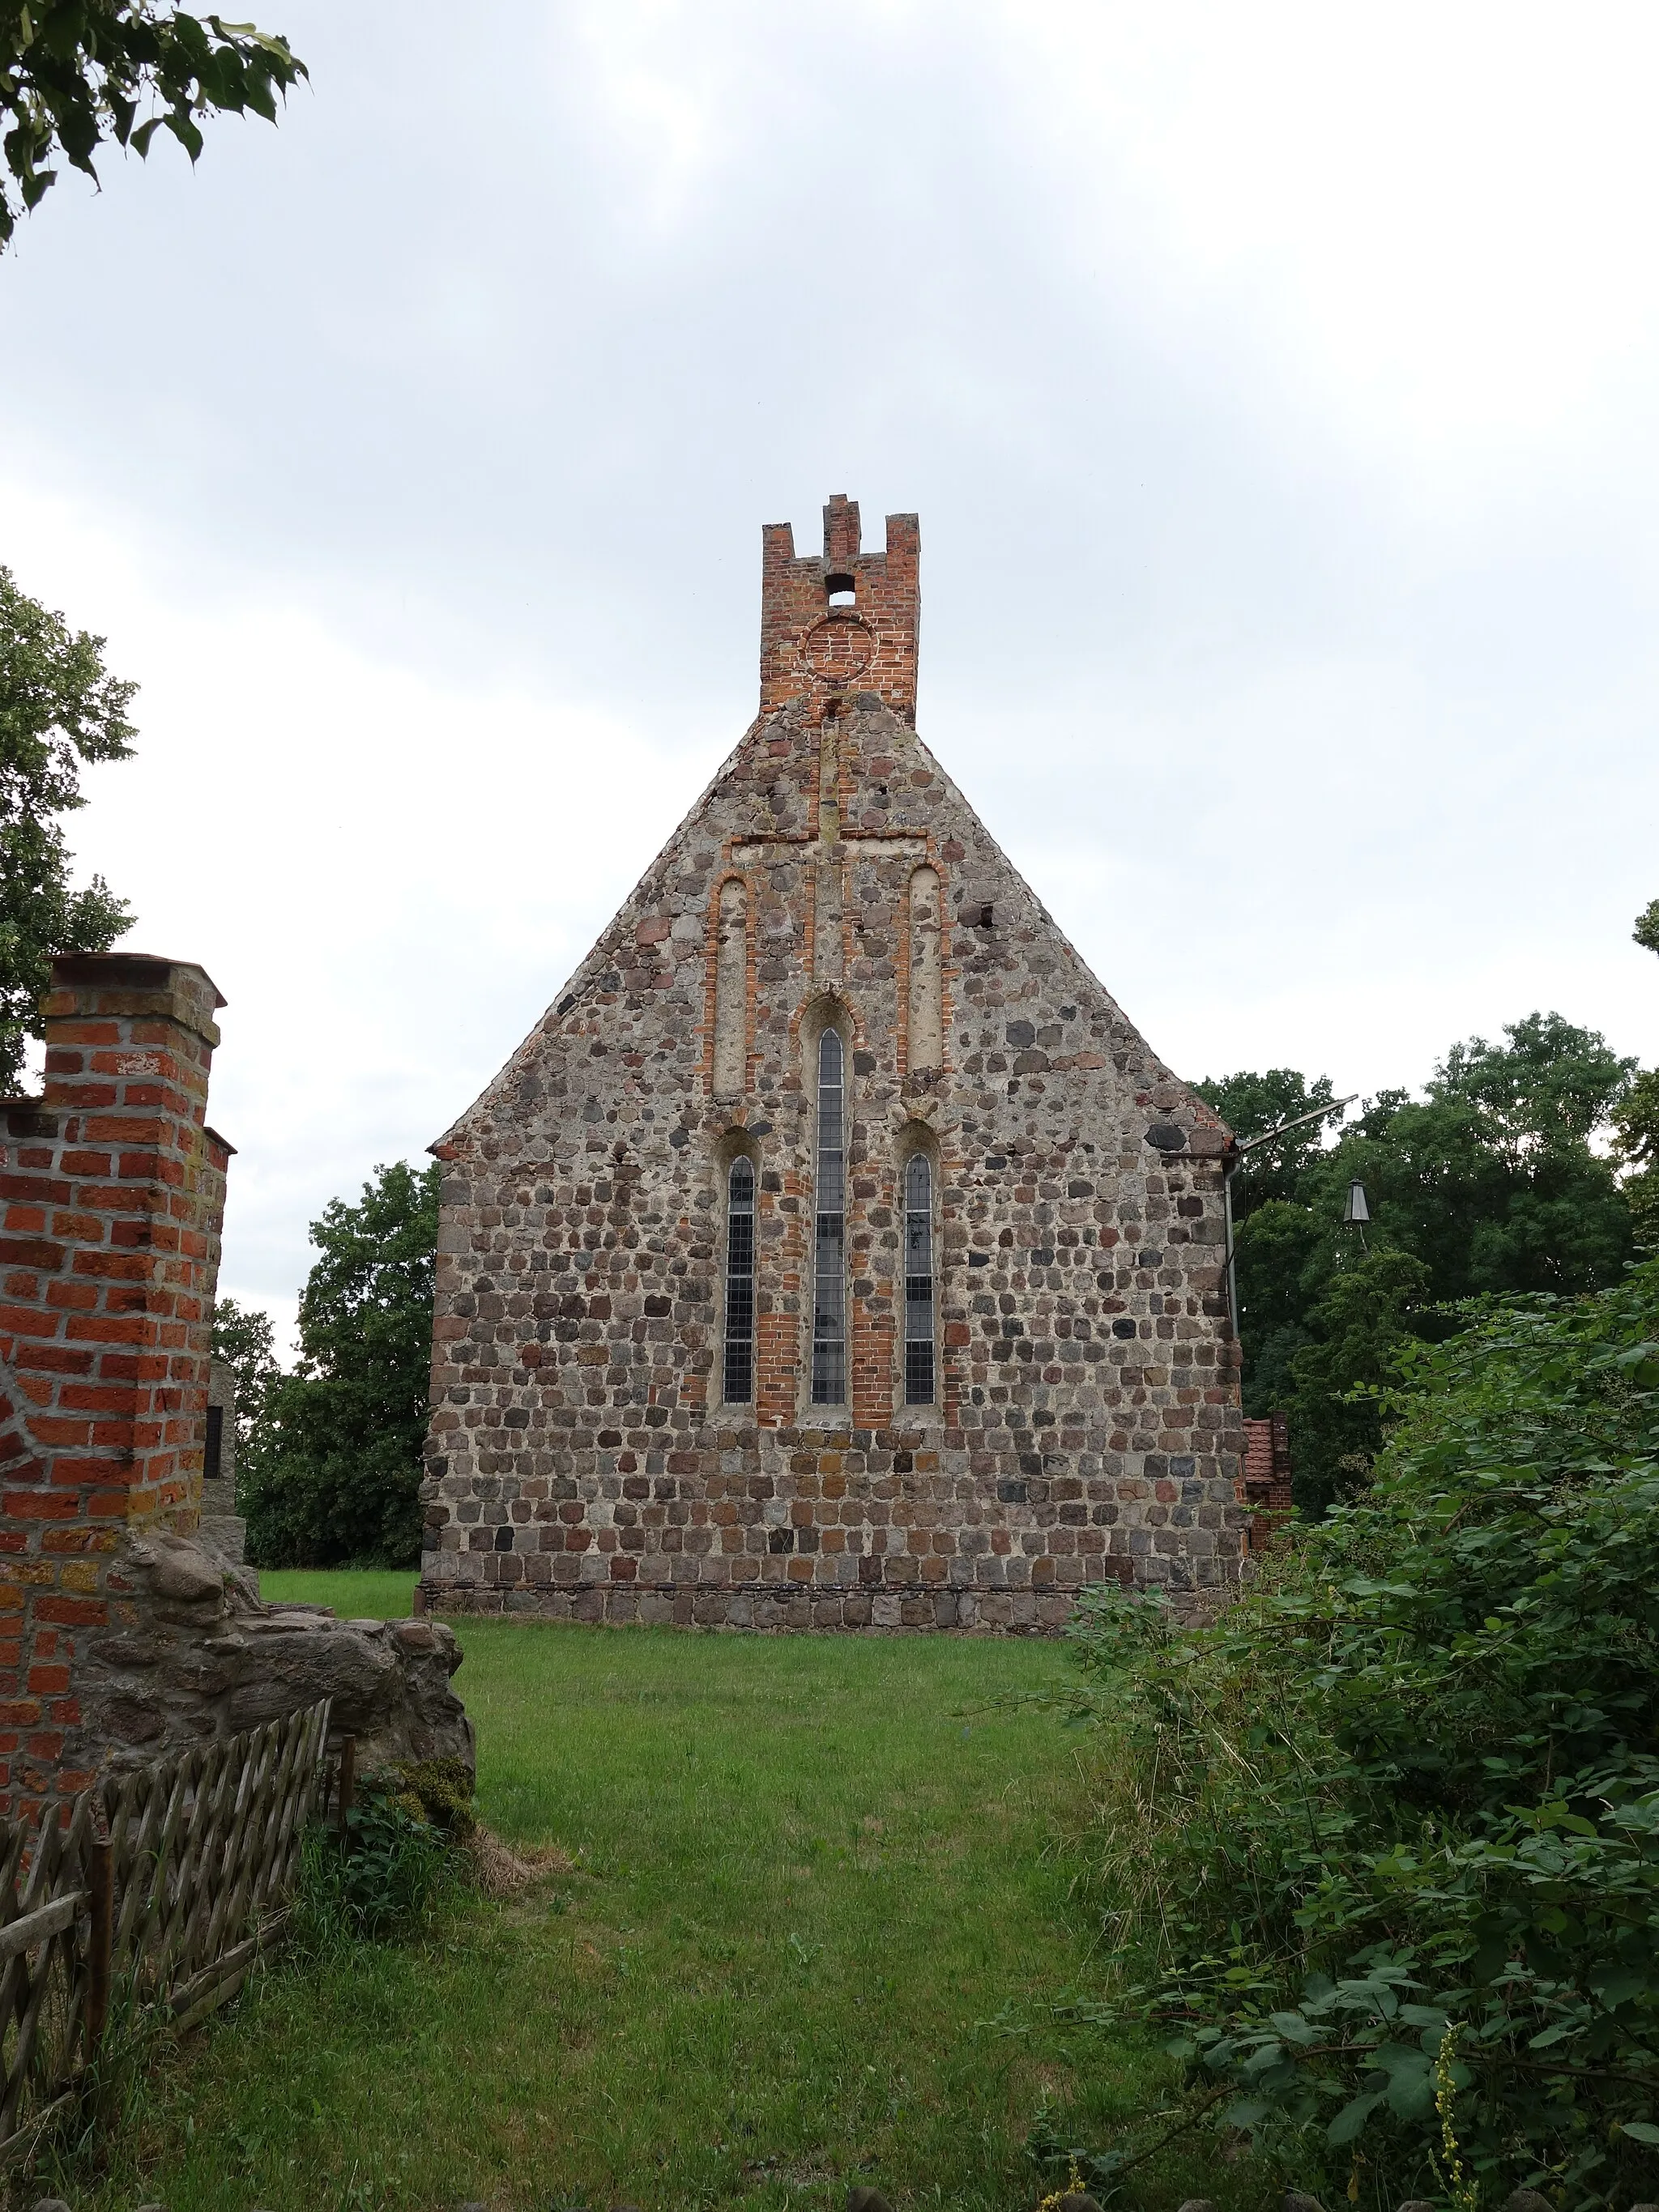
[{"x": 154, "y": 1897}]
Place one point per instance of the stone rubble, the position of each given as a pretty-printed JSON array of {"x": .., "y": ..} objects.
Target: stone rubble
[{"x": 193, "y": 1655}]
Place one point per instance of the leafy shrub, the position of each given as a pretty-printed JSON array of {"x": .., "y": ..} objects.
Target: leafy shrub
[
  {"x": 1383, "y": 1844},
  {"x": 382, "y": 1877}
]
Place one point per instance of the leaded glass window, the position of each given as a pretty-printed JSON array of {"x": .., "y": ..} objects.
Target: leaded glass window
[
  {"x": 829, "y": 1261},
  {"x": 739, "y": 1384},
  {"x": 919, "y": 1281}
]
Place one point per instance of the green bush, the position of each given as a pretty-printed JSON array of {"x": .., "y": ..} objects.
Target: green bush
[
  {"x": 1383, "y": 1844},
  {"x": 381, "y": 1877}
]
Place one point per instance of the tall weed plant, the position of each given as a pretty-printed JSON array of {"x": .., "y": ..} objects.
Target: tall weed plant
[
  {"x": 382, "y": 1876},
  {"x": 1381, "y": 1847}
]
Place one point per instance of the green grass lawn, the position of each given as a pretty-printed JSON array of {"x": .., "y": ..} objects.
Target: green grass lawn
[
  {"x": 354, "y": 1597},
  {"x": 818, "y": 1918}
]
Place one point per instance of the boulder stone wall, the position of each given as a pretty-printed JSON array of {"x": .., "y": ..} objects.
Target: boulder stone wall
[
  {"x": 122, "y": 1635},
  {"x": 192, "y": 1655}
]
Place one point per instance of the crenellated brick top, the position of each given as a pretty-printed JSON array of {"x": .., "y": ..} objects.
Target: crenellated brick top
[{"x": 848, "y": 620}]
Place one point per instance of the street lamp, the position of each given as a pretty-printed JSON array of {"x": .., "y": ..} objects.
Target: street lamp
[{"x": 1356, "y": 1213}]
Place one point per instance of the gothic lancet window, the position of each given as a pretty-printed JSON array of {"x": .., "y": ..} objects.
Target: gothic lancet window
[
  {"x": 830, "y": 1263},
  {"x": 739, "y": 1381},
  {"x": 919, "y": 1281}
]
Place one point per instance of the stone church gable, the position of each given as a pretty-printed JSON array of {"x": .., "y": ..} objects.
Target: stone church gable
[{"x": 693, "y": 1359}]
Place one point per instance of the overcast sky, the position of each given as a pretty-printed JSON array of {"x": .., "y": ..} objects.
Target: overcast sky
[{"x": 1276, "y": 387}]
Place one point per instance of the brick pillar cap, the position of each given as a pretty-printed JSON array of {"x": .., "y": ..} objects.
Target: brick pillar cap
[{"x": 134, "y": 983}]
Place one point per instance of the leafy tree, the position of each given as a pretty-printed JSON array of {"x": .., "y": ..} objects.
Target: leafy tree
[
  {"x": 77, "y": 73},
  {"x": 1491, "y": 1181},
  {"x": 334, "y": 1477},
  {"x": 242, "y": 1338},
  {"x": 59, "y": 706},
  {"x": 1637, "y": 1145},
  {"x": 1284, "y": 1253},
  {"x": 1355, "y": 1330},
  {"x": 1251, "y": 1105},
  {"x": 1636, "y": 1119}
]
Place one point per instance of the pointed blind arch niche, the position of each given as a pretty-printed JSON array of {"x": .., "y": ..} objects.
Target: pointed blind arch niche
[
  {"x": 926, "y": 1009},
  {"x": 731, "y": 991}
]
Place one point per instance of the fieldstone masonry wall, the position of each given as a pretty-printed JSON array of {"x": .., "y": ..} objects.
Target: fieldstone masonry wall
[{"x": 1087, "y": 1423}]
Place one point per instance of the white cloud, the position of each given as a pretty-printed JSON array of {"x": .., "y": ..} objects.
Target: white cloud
[
  {"x": 1275, "y": 386},
  {"x": 1433, "y": 221},
  {"x": 387, "y": 878}
]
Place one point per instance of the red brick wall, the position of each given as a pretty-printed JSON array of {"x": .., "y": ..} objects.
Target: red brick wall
[
  {"x": 113, "y": 1190},
  {"x": 808, "y": 647},
  {"x": 1265, "y": 1484}
]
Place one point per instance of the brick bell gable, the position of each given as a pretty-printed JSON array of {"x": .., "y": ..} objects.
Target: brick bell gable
[{"x": 1085, "y": 1422}]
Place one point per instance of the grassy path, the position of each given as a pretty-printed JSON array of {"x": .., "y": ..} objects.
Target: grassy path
[{"x": 811, "y": 1873}]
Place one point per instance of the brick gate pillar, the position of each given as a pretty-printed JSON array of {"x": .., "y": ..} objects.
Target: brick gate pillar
[{"x": 113, "y": 1191}]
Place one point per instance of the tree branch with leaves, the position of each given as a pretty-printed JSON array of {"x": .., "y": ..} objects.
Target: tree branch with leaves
[{"x": 78, "y": 74}]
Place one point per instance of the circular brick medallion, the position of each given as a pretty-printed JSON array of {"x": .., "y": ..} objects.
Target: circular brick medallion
[{"x": 838, "y": 648}]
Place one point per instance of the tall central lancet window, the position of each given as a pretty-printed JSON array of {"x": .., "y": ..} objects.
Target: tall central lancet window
[
  {"x": 739, "y": 1380},
  {"x": 830, "y": 1263},
  {"x": 739, "y": 1284},
  {"x": 919, "y": 1281}
]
